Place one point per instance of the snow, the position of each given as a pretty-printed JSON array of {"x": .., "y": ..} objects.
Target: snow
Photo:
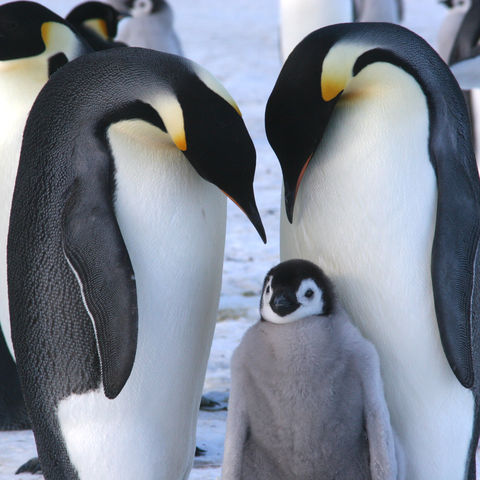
[{"x": 238, "y": 42}]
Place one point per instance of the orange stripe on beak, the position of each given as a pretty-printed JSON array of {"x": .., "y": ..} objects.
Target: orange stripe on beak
[{"x": 302, "y": 173}]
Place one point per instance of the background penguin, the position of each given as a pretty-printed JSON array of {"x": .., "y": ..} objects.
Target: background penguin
[
  {"x": 34, "y": 42},
  {"x": 300, "y": 17},
  {"x": 373, "y": 137},
  {"x": 112, "y": 302},
  {"x": 448, "y": 32},
  {"x": 150, "y": 25},
  {"x": 306, "y": 398},
  {"x": 466, "y": 45},
  {"x": 97, "y": 23}
]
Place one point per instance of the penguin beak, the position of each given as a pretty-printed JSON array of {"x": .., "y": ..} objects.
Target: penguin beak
[
  {"x": 249, "y": 208},
  {"x": 291, "y": 191},
  {"x": 283, "y": 303}
]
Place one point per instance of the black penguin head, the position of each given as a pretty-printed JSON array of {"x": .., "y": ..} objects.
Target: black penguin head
[
  {"x": 297, "y": 113},
  {"x": 326, "y": 71},
  {"x": 26, "y": 29},
  {"x": 205, "y": 123},
  {"x": 454, "y": 3},
  {"x": 30, "y": 32},
  {"x": 101, "y": 18},
  {"x": 138, "y": 8},
  {"x": 293, "y": 290}
]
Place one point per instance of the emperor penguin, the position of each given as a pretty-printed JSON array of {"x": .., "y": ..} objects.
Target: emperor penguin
[
  {"x": 466, "y": 45},
  {"x": 97, "y": 23},
  {"x": 150, "y": 25},
  {"x": 115, "y": 256},
  {"x": 448, "y": 32},
  {"x": 34, "y": 42},
  {"x": 381, "y": 189},
  {"x": 306, "y": 398},
  {"x": 298, "y": 18}
]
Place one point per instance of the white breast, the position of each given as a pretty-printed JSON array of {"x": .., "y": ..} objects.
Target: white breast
[
  {"x": 173, "y": 224},
  {"x": 365, "y": 213}
]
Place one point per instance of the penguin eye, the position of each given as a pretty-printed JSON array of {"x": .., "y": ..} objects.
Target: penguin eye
[
  {"x": 309, "y": 293},
  {"x": 267, "y": 290}
]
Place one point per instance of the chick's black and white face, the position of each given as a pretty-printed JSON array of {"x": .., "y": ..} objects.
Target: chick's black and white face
[
  {"x": 291, "y": 293},
  {"x": 139, "y": 8}
]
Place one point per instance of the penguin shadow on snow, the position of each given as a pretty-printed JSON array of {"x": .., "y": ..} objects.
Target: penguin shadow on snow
[{"x": 306, "y": 395}]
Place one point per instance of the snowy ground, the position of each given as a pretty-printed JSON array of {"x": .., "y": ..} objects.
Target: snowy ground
[{"x": 237, "y": 41}]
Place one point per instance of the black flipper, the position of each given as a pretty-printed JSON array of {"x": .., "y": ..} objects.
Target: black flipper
[
  {"x": 32, "y": 466},
  {"x": 96, "y": 252}
]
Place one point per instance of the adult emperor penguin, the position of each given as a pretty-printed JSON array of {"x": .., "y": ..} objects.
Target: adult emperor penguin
[
  {"x": 382, "y": 190},
  {"x": 300, "y": 17},
  {"x": 97, "y": 22},
  {"x": 115, "y": 256},
  {"x": 34, "y": 42},
  {"x": 150, "y": 25},
  {"x": 306, "y": 400}
]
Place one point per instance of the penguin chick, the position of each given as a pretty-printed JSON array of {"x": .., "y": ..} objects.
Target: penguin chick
[
  {"x": 306, "y": 399},
  {"x": 151, "y": 25}
]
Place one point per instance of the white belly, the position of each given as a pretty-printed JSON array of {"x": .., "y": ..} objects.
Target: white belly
[
  {"x": 298, "y": 18},
  {"x": 365, "y": 213},
  {"x": 17, "y": 94},
  {"x": 173, "y": 224}
]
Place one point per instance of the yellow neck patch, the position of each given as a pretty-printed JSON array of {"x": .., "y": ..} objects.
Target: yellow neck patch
[
  {"x": 59, "y": 38},
  {"x": 99, "y": 26},
  {"x": 337, "y": 68},
  {"x": 170, "y": 111}
]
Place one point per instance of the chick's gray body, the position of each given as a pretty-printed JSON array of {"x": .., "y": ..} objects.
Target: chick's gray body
[{"x": 307, "y": 403}]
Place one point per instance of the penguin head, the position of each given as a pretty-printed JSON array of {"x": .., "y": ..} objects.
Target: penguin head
[
  {"x": 294, "y": 290},
  {"x": 345, "y": 66},
  {"x": 139, "y": 8},
  {"x": 455, "y": 3},
  {"x": 101, "y": 18},
  {"x": 30, "y": 31},
  {"x": 205, "y": 123}
]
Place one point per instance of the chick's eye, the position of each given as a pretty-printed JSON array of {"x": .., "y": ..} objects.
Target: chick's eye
[
  {"x": 267, "y": 290},
  {"x": 309, "y": 293}
]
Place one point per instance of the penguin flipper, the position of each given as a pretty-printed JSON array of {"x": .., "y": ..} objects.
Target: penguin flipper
[
  {"x": 98, "y": 257},
  {"x": 32, "y": 466},
  {"x": 454, "y": 255}
]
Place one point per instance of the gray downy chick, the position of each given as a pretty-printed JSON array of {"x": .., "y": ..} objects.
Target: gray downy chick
[
  {"x": 306, "y": 398},
  {"x": 150, "y": 25}
]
